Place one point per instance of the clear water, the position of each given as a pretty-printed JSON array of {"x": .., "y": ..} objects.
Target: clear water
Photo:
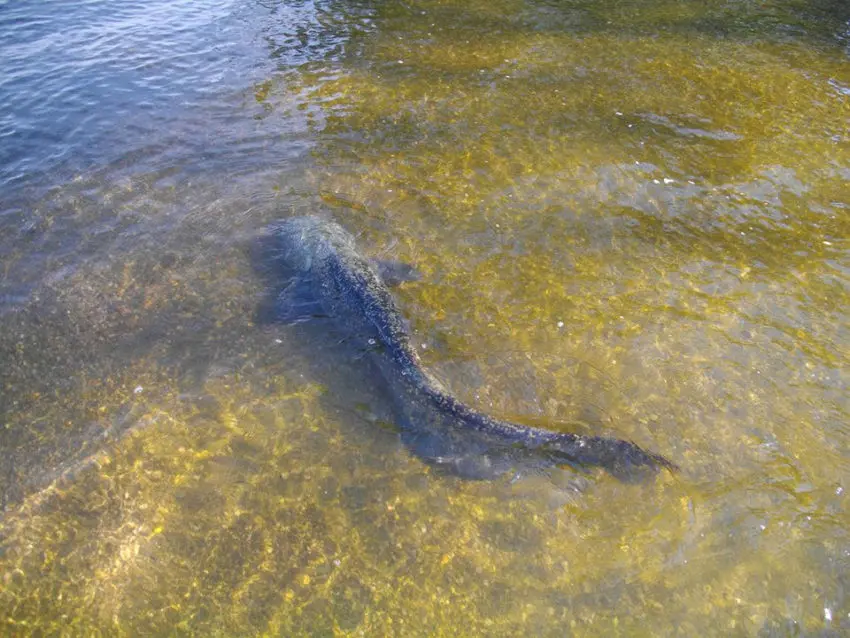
[{"x": 630, "y": 218}]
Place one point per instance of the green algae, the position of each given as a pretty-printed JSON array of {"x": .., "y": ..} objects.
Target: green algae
[{"x": 629, "y": 218}]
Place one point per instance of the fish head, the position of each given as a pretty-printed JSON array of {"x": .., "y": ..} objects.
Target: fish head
[
  {"x": 302, "y": 241},
  {"x": 294, "y": 242}
]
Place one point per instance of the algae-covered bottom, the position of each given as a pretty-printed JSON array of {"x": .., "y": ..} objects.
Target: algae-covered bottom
[{"x": 630, "y": 219}]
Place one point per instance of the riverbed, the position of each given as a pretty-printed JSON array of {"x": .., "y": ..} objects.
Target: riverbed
[{"x": 628, "y": 219}]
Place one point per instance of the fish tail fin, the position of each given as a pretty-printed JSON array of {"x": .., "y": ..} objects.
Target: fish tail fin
[{"x": 623, "y": 459}]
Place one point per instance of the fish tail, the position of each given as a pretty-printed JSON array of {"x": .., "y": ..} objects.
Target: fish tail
[{"x": 623, "y": 459}]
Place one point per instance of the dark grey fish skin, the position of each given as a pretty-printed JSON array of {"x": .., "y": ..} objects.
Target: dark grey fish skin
[{"x": 332, "y": 279}]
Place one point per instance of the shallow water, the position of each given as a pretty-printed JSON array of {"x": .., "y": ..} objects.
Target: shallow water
[{"x": 630, "y": 218}]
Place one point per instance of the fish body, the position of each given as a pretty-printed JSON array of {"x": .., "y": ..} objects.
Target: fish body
[{"x": 331, "y": 278}]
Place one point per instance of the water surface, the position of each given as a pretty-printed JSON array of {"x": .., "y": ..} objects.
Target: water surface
[{"x": 630, "y": 218}]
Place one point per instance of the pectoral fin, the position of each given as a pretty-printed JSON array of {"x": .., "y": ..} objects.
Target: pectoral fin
[
  {"x": 296, "y": 303},
  {"x": 394, "y": 273}
]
